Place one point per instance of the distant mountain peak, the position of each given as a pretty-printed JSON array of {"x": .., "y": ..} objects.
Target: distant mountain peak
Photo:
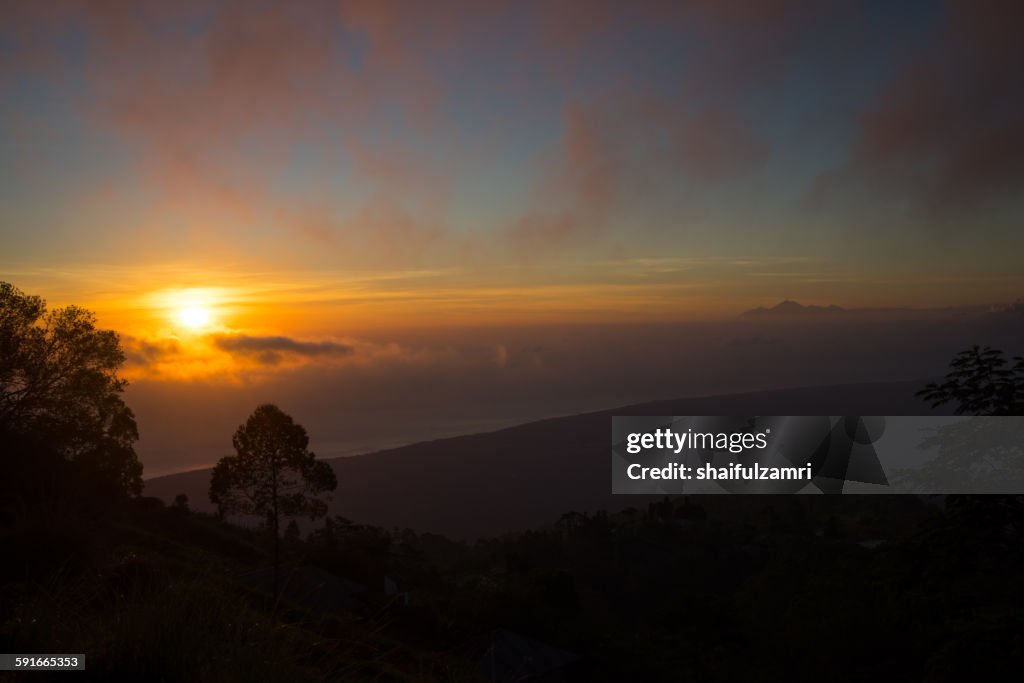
[{"x": 789, "y": 307}]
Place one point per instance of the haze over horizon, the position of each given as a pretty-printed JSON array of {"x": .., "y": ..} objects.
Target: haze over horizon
[{"x": 403, "y": 220}]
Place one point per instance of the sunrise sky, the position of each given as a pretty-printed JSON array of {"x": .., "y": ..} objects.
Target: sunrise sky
[{"x": 246, "y": 183}]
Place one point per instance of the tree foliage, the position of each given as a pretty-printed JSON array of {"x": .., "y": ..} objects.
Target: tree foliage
[
  {"x": 272, "y": 473},
  {"x": 981, "y": 381},
  {"x": 60, "y": 395}
]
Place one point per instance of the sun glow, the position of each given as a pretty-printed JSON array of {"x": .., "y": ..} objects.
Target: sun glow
[
  {"x": 190, "y": 310},
  {"x": 195, "y": 317}
]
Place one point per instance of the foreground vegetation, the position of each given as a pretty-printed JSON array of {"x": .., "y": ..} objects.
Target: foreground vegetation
[{"x": 760, "y": 589}]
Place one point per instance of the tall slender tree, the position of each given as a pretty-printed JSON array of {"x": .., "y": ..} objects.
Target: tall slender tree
[{"x": 273, "y": 474}]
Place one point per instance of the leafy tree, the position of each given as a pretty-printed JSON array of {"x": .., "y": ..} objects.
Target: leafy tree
[
  {"x": 981, "y": 381},
  {"x": 272, "y": 474},
  {"x": 61, "y": 409}
]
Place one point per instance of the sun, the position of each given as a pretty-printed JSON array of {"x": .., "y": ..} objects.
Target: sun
[
  {"x": 191, "y": 312},
  {"x": 195, "y": 317}
]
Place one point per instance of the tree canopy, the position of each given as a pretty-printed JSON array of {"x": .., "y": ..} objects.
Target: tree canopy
[
  {"x": 272, "y": 473},
  {"x": 60, "y": 395},
  {"x": 981, "y": 381}
]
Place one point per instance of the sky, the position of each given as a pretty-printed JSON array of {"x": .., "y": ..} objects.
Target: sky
[{"x": 247, "y": 188}]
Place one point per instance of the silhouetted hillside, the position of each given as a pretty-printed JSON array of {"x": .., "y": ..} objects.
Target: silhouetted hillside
[{"x": 528, "y": 475}]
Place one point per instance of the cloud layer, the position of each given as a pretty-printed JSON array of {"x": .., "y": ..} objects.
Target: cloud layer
[{"x": 274, "y": 350}]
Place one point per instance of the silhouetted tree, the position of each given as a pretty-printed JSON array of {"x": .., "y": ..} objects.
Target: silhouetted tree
[
  {"x": 272, "y": 474},
  {"x": 981, "y": 381},
  {"x": 181, "y": 501},
  {"x": 60, "y": 396}
]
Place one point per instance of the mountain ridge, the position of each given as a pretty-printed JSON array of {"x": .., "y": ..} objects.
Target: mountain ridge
[
  {"x": 788, "y": 308},
  {"x": 489, "y": 483}
]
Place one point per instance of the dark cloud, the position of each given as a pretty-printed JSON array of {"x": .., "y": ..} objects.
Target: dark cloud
[
  {"x": 273, "y": 350},
  {"x": 140, "y": 351}
]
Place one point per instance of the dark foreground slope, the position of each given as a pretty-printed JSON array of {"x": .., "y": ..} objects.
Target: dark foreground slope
[
  {"x": 525, "y": 476},
  {"x": 154, "y": 593},
  {"x": 800, "y": 589},
  {"x": 711, "y": 588}
]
